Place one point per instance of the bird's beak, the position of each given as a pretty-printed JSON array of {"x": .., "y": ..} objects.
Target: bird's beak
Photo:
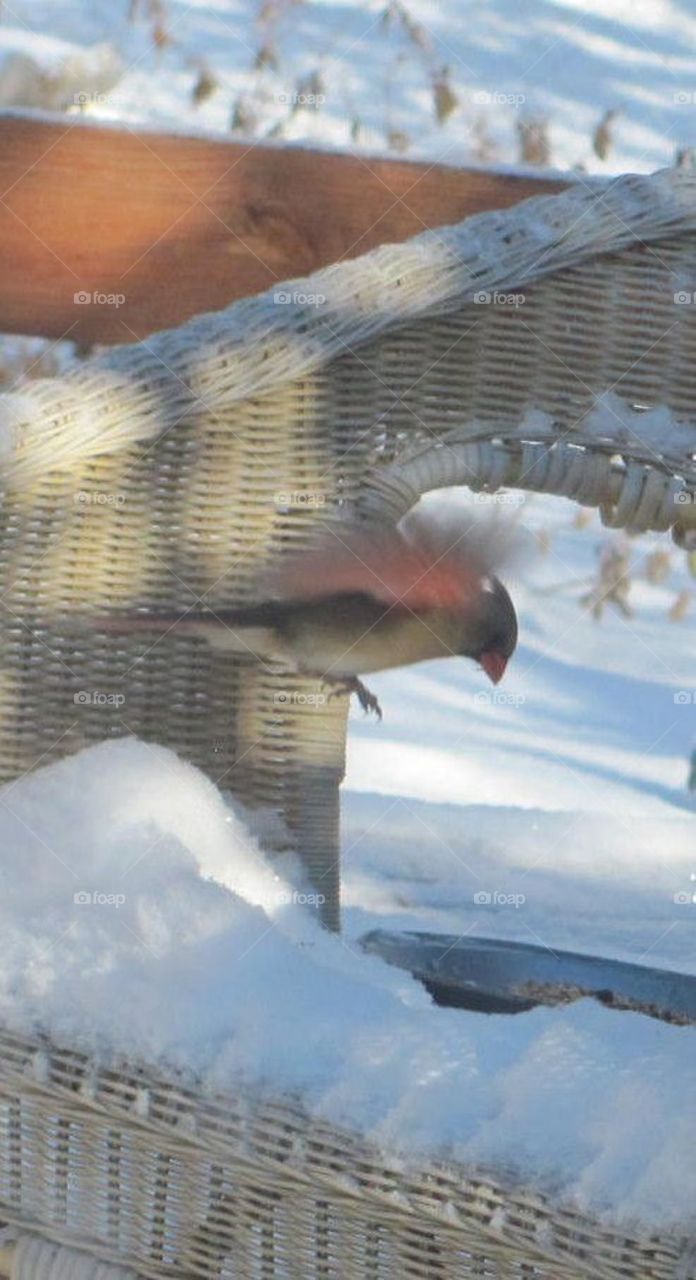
[{"x": 494, "y": 665}]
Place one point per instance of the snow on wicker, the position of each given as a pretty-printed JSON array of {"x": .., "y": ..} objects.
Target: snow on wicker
[{"x": 245, "y": 1096}]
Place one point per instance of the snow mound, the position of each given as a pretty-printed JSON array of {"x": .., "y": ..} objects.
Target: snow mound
[{"x": 140, "y": 918}]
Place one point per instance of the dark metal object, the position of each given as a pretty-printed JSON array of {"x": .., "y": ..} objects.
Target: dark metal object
[{"x": 510, "y": 977}]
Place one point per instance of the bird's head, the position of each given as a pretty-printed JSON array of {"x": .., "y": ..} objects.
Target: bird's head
[{"x": 490, "y": 638}]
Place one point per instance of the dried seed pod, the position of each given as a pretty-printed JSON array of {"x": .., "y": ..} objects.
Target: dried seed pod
[
  {"x": 398, "y": 140},
  {"x": 444, "y": 98},
  {"x": 603, "y": 141},
  {"x": 681, "y": 606},
  {"x": 658, "y": 566},
  {"x": 535, "y": 147},
  {"x": 206, "y": 85}
]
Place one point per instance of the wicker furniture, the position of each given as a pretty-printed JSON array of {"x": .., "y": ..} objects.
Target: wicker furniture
[
  {"x": 171, "y": 472},
  {"x": 153, "y": 1177}
]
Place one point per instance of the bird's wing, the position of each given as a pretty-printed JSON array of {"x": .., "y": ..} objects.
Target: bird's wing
[{"x": 416, "y": 568}]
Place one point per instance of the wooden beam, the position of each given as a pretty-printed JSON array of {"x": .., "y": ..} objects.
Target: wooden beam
[{"x": 166, "y": 226}]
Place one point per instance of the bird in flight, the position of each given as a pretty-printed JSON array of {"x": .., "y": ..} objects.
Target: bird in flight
[{"x": 365, "y": 597}]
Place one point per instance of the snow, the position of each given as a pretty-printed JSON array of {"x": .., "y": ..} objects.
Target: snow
[
  {"x": 567, "y": 783},
  {"x": 138, "y": 915},
  {"x": 563, "y": 61},
  {"x": 564, "y": 789},
  {"x": 658, "y": 430}
]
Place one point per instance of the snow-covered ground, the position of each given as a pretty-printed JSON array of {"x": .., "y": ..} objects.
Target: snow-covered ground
[
  {"x": 567, "y": 784},
  {"x": 566, "y": 787},
  {"x": 564, "y": 62}
]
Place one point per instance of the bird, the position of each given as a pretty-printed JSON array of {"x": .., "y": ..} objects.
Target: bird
[{"x": 364, "y": 598}]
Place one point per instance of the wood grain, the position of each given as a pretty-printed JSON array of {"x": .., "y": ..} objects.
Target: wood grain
[{"x": 176, "y": 225}]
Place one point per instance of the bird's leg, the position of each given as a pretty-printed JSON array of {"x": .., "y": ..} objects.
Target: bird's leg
[{"x": 351, "y": 684}]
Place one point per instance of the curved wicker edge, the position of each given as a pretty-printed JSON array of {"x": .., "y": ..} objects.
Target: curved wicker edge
[
  {"x": 140, "y": 391},
  {"x": 631, "y": 492},
  {"x": 469, "y": 1208}
]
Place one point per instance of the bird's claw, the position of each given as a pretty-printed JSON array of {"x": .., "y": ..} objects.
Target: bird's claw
[
  {"x": 368, "y": 700},
  {"x": 351, "y": 684}
]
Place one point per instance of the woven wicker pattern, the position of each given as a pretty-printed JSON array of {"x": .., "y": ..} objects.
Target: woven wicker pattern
[
  {"x": 259, "y": 344},
  {"x": 169, "y": 473},
  {"x": 171, "y": 1183},
  {"x": 33, "y": 1258}
]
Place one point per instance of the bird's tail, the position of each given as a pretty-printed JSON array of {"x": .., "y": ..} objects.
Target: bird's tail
[
  {"x": 187, "y": 621},
  {"x": 226, "y": 629}
]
